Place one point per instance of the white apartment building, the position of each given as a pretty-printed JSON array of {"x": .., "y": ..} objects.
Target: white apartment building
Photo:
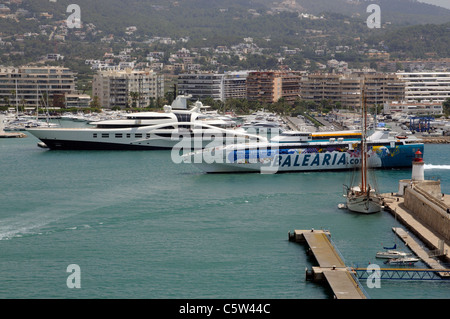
[
  {"x": 218, "y": 86},
  {"x": 122, "y": 88},
  {"x": 413, "y": 108},
  {"x": 31, "y": 85},
  {"x": 430, "y": 86}
]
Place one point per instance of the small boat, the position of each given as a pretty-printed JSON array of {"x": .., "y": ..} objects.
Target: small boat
[
  {"x": 42, "y": 145},
  {"x": 392, "y": 254},
  {"x": 402, "y": 261}
]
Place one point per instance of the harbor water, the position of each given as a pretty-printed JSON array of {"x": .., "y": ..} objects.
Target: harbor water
[{"x": 140, "y": 226}]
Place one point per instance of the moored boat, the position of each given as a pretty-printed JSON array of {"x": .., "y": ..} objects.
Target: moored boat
[
  {"x": 388, "y": 254},
  {"x": 402, "y": 261},
  {"x": 363, "y": 198}
]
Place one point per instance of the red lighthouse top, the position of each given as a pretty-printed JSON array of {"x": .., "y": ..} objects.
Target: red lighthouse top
[{"x": 418, "y": 157}]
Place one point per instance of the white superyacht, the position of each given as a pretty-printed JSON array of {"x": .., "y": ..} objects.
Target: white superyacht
[{"x": 175, "y": 127}]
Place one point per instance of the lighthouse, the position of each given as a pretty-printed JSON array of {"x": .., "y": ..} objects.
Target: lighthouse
[{"x": 417, "y": 167}]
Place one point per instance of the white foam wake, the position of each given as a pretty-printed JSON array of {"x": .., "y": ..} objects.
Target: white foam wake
[{"x": 431, "y": 166}]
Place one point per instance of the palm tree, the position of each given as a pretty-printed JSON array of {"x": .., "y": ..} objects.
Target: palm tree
[{"x": 134, "y": 96}]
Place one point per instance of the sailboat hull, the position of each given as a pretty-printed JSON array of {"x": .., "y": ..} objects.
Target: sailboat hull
[{"x": 364, "y": 204}]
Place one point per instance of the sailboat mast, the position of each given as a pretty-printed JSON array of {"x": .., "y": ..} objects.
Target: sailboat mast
[
  {"x": 17, "y": 103},
  {"x": 363, "y": 144}
]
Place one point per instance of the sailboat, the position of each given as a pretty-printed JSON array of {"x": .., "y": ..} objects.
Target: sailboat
[
  {"x": 392, "y": 252},
  {"x": 363, "y": 198}
]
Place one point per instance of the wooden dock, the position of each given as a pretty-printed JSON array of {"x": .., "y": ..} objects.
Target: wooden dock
[{"x": 331, "y": 267}]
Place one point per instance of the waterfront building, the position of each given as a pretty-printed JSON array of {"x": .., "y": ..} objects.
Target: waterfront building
[
  {"x": 413, "y": 108},
  {"x": 235, "y": 85},
  {"x": 346, "y": 88},
  {"x": 270, "y": 86},
  {"x": 383, "y": 87},
  {"x": 124, "y": 88},
  {"x": 290, "y": 85},
  {"x": 219, "y": 86},
  {"x": 31, "y": 85},
  {"x": 77, "y": 100},
  {"x": 202, "y": 85},
  {"x": 264, "y": 86},
  {"x": 318, "y": 87},
  {"x": 431, "y": 86}
]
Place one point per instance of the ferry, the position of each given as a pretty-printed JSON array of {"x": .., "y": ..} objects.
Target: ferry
[
  {"x": 298, "y": 136},
  {"x": 303, "y": 153}
]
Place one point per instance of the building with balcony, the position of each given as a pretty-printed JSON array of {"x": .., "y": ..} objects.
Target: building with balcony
[
  {"x": 235, "y": 85},
  {"x": 264, "y": 86},
  {"x": 346, "y": 89},
  {"x": 33, "y": 86},
  {"x": 202, "y": 85},
  {"x": 126, "y": 88},
  {"x": 77, "y": 100},
  {"x": 415, "y": 108},
  {"x": 430, "y": 86}
]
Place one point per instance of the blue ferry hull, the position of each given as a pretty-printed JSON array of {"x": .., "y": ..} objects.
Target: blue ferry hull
[{"x": 308, "y": 158}]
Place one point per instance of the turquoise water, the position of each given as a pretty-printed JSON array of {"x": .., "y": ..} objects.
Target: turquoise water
[{"x": 140, "y": 226}]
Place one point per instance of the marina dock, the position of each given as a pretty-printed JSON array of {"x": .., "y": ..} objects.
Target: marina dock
[
  {"x": 12, "y": 135},
  {"x": 4, "y": 134},
  {"x": 332, "y": 268},
  {"x": 436, "y": 252},
  {"x": 424, "y": 255}
]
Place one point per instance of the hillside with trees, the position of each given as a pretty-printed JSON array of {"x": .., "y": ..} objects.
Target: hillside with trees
[{"x": 210, "y": 23}]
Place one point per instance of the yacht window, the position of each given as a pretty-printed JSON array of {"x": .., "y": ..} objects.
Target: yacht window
[
  {"x": 138, "y": 135},
  {"x": 164, "y": 134},
  {"x": 184, "y": 117},
  {"x": 105, "y": 135},
  {"x": 147, "y": 135},
  {"x": 118, "y": 135},
  {"x": 148, "y": 117},
  {"x": 95, "y": 135},
  {"x": 128, "y": 135}
]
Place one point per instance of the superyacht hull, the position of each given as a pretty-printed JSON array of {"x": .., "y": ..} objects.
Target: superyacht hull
[
  {"x": 95, "y": 139},
  {"x": 157, "y": 137}
]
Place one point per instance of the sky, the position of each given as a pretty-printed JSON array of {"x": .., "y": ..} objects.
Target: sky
[{"x": 442, "y": 3}]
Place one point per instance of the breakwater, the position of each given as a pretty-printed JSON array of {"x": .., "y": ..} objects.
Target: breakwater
[{"x": 435, "y": 140}]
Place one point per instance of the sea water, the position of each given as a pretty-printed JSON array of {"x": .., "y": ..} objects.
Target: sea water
[{"x": 138, "y": 225}]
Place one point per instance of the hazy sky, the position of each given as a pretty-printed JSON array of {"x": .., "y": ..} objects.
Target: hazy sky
[{"x": 442, "y": 3}]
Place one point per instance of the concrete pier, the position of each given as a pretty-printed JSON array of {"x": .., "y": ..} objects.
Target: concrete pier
[
  {"x": 425, "y": 211},
  {"x": 332, "y": 268}
]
